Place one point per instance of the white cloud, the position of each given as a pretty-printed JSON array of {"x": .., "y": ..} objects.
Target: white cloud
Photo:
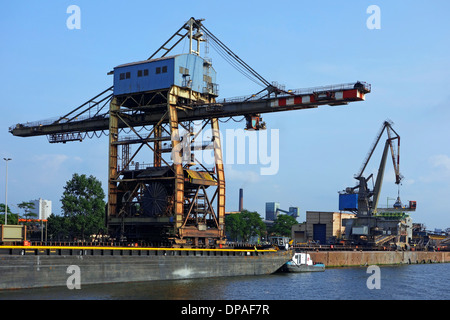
[
  {"x": 442, "y": 162},
  {"x": 51, "y": 160},
  {"x": 246, "y": 176},
  {"x": 51, "y": 166},
  {"x": 439, "y": 169}
]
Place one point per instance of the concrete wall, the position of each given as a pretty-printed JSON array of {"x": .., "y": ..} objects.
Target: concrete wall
[{"x": 362, "y": 258}]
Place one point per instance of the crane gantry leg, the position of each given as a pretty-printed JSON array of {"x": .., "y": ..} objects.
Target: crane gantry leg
[
  {"x": 220, "y": 176},
  {"x": 167, "y": 199},
  {"x": 112, "y": 159},
  {"x": 178, "y": 169}
]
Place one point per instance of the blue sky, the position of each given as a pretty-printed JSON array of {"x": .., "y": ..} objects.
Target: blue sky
[{"x": 48, "y": 70}]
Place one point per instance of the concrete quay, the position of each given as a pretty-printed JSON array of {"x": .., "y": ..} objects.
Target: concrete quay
[{"x": 364, "y": 258}]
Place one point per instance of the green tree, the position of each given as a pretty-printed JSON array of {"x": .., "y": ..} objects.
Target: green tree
[
  {"x": 245, "y": 225},
  {"x": 282, "y": 226},
  {"x": 234, "y": 226},
  {"x": 84, "y": 206},
  {"x": 27, "y": 207},
  {"x": 253, "y": 225},
  {"x": 12, "y": 217},
  {"x": 57, "y": 228}
]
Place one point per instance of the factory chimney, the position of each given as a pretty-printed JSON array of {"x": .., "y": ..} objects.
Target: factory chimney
[{"x": 241, "y": 200}]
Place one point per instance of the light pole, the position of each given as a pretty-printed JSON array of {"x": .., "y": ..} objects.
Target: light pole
[{"x": 6, "y": 191}]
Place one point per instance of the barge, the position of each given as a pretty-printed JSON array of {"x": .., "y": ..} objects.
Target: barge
[{"x": 50, "y": 266}]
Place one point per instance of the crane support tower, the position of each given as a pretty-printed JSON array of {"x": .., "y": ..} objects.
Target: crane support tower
[{"x": 157, "y": 103}]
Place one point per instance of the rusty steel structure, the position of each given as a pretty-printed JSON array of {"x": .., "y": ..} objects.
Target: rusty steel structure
[{"x": 175, "y": 197}]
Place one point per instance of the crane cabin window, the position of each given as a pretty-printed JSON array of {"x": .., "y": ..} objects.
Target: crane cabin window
[
  {"x": 184, "y": 71},
  {"x": 142, "y": 73},
  {"x": 125, "y": 75},
  {"x": 162, "y": 69}
]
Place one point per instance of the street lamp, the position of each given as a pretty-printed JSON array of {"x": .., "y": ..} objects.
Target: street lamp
[{"x": 6, "y": 191}]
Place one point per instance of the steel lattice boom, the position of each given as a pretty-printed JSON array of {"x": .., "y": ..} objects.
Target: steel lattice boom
[{"x": 243, "y": 106}]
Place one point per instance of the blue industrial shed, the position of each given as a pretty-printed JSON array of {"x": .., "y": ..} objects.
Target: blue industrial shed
[{"x": 184, "y": 70}]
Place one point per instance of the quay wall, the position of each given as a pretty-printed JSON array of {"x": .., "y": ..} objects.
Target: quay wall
[{"x": 363, "y": 258}]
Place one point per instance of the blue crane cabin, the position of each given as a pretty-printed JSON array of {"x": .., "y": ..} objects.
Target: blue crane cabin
[{"x": 184, "y": 70}]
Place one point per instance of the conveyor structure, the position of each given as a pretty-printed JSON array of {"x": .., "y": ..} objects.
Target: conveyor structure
[{"x": 174, "y": 198}]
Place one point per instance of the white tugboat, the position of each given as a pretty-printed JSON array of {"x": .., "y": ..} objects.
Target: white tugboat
[{"x": 302, "y": 262}]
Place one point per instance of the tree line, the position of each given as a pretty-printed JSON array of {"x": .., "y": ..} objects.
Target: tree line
[
  {"x": 245, "y": 225},
  {"x": 83, "y": 211},
  {"x": 13, "y": 218}
]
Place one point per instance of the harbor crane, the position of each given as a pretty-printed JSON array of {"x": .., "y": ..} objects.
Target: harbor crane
[
  {"x": 153, "y": 106},
  {"x": 368, "y": 199},
  {"x": 371, "y": 221}
]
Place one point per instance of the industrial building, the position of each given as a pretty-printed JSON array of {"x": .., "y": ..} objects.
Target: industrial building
[
  {"x": 273, "y": 210},
  {"x": 321, "y": 227}
]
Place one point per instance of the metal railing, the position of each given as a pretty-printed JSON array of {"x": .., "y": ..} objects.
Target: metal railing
[
  {"x": 56, "y": 120},
  {"x": 363, "y": 86}
]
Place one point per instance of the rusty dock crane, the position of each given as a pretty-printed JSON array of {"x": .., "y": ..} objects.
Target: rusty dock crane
[{"x": 157, "y": 101}]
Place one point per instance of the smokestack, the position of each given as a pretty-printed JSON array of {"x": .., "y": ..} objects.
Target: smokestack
[{"x": 241, "y": 200}]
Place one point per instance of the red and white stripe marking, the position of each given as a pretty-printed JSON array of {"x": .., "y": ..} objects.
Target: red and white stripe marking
[{"x": 340, "y": 96}]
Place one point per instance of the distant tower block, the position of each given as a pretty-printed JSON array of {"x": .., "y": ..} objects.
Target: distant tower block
[
  {"x": 42, "y": 208},
  {"x": 272, "y": 209}
]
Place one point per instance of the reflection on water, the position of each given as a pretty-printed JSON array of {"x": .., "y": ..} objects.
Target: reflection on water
[{"x": 428, "y": 281}]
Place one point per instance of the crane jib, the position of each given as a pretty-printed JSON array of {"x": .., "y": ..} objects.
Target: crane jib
[{"x": 224, "y": 108}]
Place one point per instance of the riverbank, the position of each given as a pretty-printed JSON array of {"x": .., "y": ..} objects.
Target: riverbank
[{"x": 362, "y": 258}]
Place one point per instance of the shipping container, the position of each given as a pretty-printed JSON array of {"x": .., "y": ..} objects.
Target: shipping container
[{"x": 348, "y": 202}]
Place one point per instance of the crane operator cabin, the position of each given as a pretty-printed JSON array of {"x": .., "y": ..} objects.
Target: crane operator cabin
[{"x": 183, "y": 70}]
